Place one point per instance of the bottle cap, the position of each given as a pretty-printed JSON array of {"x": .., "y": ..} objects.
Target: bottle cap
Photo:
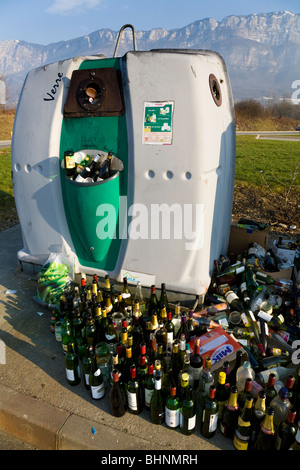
[
  {"x": 115, "y": 374},
  {"x": 222, "y": 377},
  {"x": 142, "y": 359},
  {"x": 283, "y": 392},
  {"x": 212, "y": 391},
  {"x": 184, "y": 379},
  {"x": 208, "y": 363}
]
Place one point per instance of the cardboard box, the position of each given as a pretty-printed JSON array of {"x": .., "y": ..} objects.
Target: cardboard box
[
  {"x": 240, "y": 238},
  {"x": 219, "y": 346},
  {"x": 281, "y": 274},
  {"x": 285, "y": 254}
]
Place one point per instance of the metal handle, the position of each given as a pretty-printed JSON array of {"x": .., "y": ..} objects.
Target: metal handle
[{"x": 119, "y": 37}]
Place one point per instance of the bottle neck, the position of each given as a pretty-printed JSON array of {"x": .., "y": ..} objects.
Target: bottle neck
[
  {"x": 232, "y": 401},
  {"x": 268, "y": 423}
]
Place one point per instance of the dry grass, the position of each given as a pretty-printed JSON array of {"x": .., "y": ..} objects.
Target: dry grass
[{"x": 6, "y": 126}]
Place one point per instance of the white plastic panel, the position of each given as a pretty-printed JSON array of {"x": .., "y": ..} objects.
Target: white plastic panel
[{"x": 197, "y": 169}]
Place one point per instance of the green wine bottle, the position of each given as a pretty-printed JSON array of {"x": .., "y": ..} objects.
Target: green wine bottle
[
  {"x": 210, "y": 414},
  {"x": 135, "y": 405},
  {"x": 116, "y": 397},
  {"x": 96, "y": 381},
  {"x": 172, "y": 409},
  {"x": 157, "y": 406},
  {"x": 72, "y": 365},
  {"x": 230, "y": 414},
  {"x": 149, "y": 385},
  {"x": 266, "y": 437},
  {"x": 243, "y": 429},
  {"x": 187, "y": 421}
]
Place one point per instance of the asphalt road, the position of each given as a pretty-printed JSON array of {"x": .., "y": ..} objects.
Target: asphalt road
[
  {"x": 273, "y": 135},
  {"x": 280, "y": 135}
]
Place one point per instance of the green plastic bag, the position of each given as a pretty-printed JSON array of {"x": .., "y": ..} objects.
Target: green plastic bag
[{"x": 52, "y": 281}]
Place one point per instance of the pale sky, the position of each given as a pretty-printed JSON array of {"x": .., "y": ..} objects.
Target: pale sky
[{"x": 47, "y": 21}]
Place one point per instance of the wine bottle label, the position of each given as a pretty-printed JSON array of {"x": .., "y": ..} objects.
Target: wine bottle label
[
  {"x": 58, "y": 335},
  {"x": 264, "y": 315},
  {"x": 132, "y": 400},
  {"x": 125, "y": 295},
  {"x": 87, "y": 378},
  {"x": 245, "y": 320},
  {"x": 70, "y": 373},
  {"x": 239, "y": 442},
  {"x": 240, "y": 270},
  {"x": 148, "y": 396},
  {"x": 170, "y": 337},
  {"x": 172, "y": 417},
  {"x": 191, "y": 422},
  {"x": 97, "y": 391},
  {"x": 70, "y": 162},
  {"x": 110, "y": 337},
  {"x": 213, "y": 421},
  {"x": 243, "y": 287},
  {"x": 231, "y": 296}
]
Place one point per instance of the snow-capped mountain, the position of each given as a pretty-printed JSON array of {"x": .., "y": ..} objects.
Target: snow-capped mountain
[{"x": 261, "y": 51}]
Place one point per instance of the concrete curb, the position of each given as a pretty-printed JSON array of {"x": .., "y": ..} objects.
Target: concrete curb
[{"x": 47, "y": 427}]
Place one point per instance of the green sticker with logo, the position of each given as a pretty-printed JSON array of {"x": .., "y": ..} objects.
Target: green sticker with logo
[{"x": 158, "y": 122}]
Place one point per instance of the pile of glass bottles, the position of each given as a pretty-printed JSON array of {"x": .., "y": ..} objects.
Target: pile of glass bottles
[
  {"x": 136, "y": 353},
  {"x": 85, "y": 168}
]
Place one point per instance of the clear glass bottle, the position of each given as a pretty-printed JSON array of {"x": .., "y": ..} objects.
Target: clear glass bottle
[
  {"x": 281, "y": 405},
  {"x": 176, "y": 319},
  {"x": 244, "y": 372},
  {"x": 296, "y": 443},
  {"x": 206, "y": 380},
  {"x": 138, "y": 295},
  {"x": 186, "y": 369}
]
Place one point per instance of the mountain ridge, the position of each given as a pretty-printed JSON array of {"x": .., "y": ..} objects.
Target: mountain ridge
[{"x": 261, "y": 50}]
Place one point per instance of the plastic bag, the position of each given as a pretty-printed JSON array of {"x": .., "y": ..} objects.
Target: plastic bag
[{"x": 53, "y": 280}]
